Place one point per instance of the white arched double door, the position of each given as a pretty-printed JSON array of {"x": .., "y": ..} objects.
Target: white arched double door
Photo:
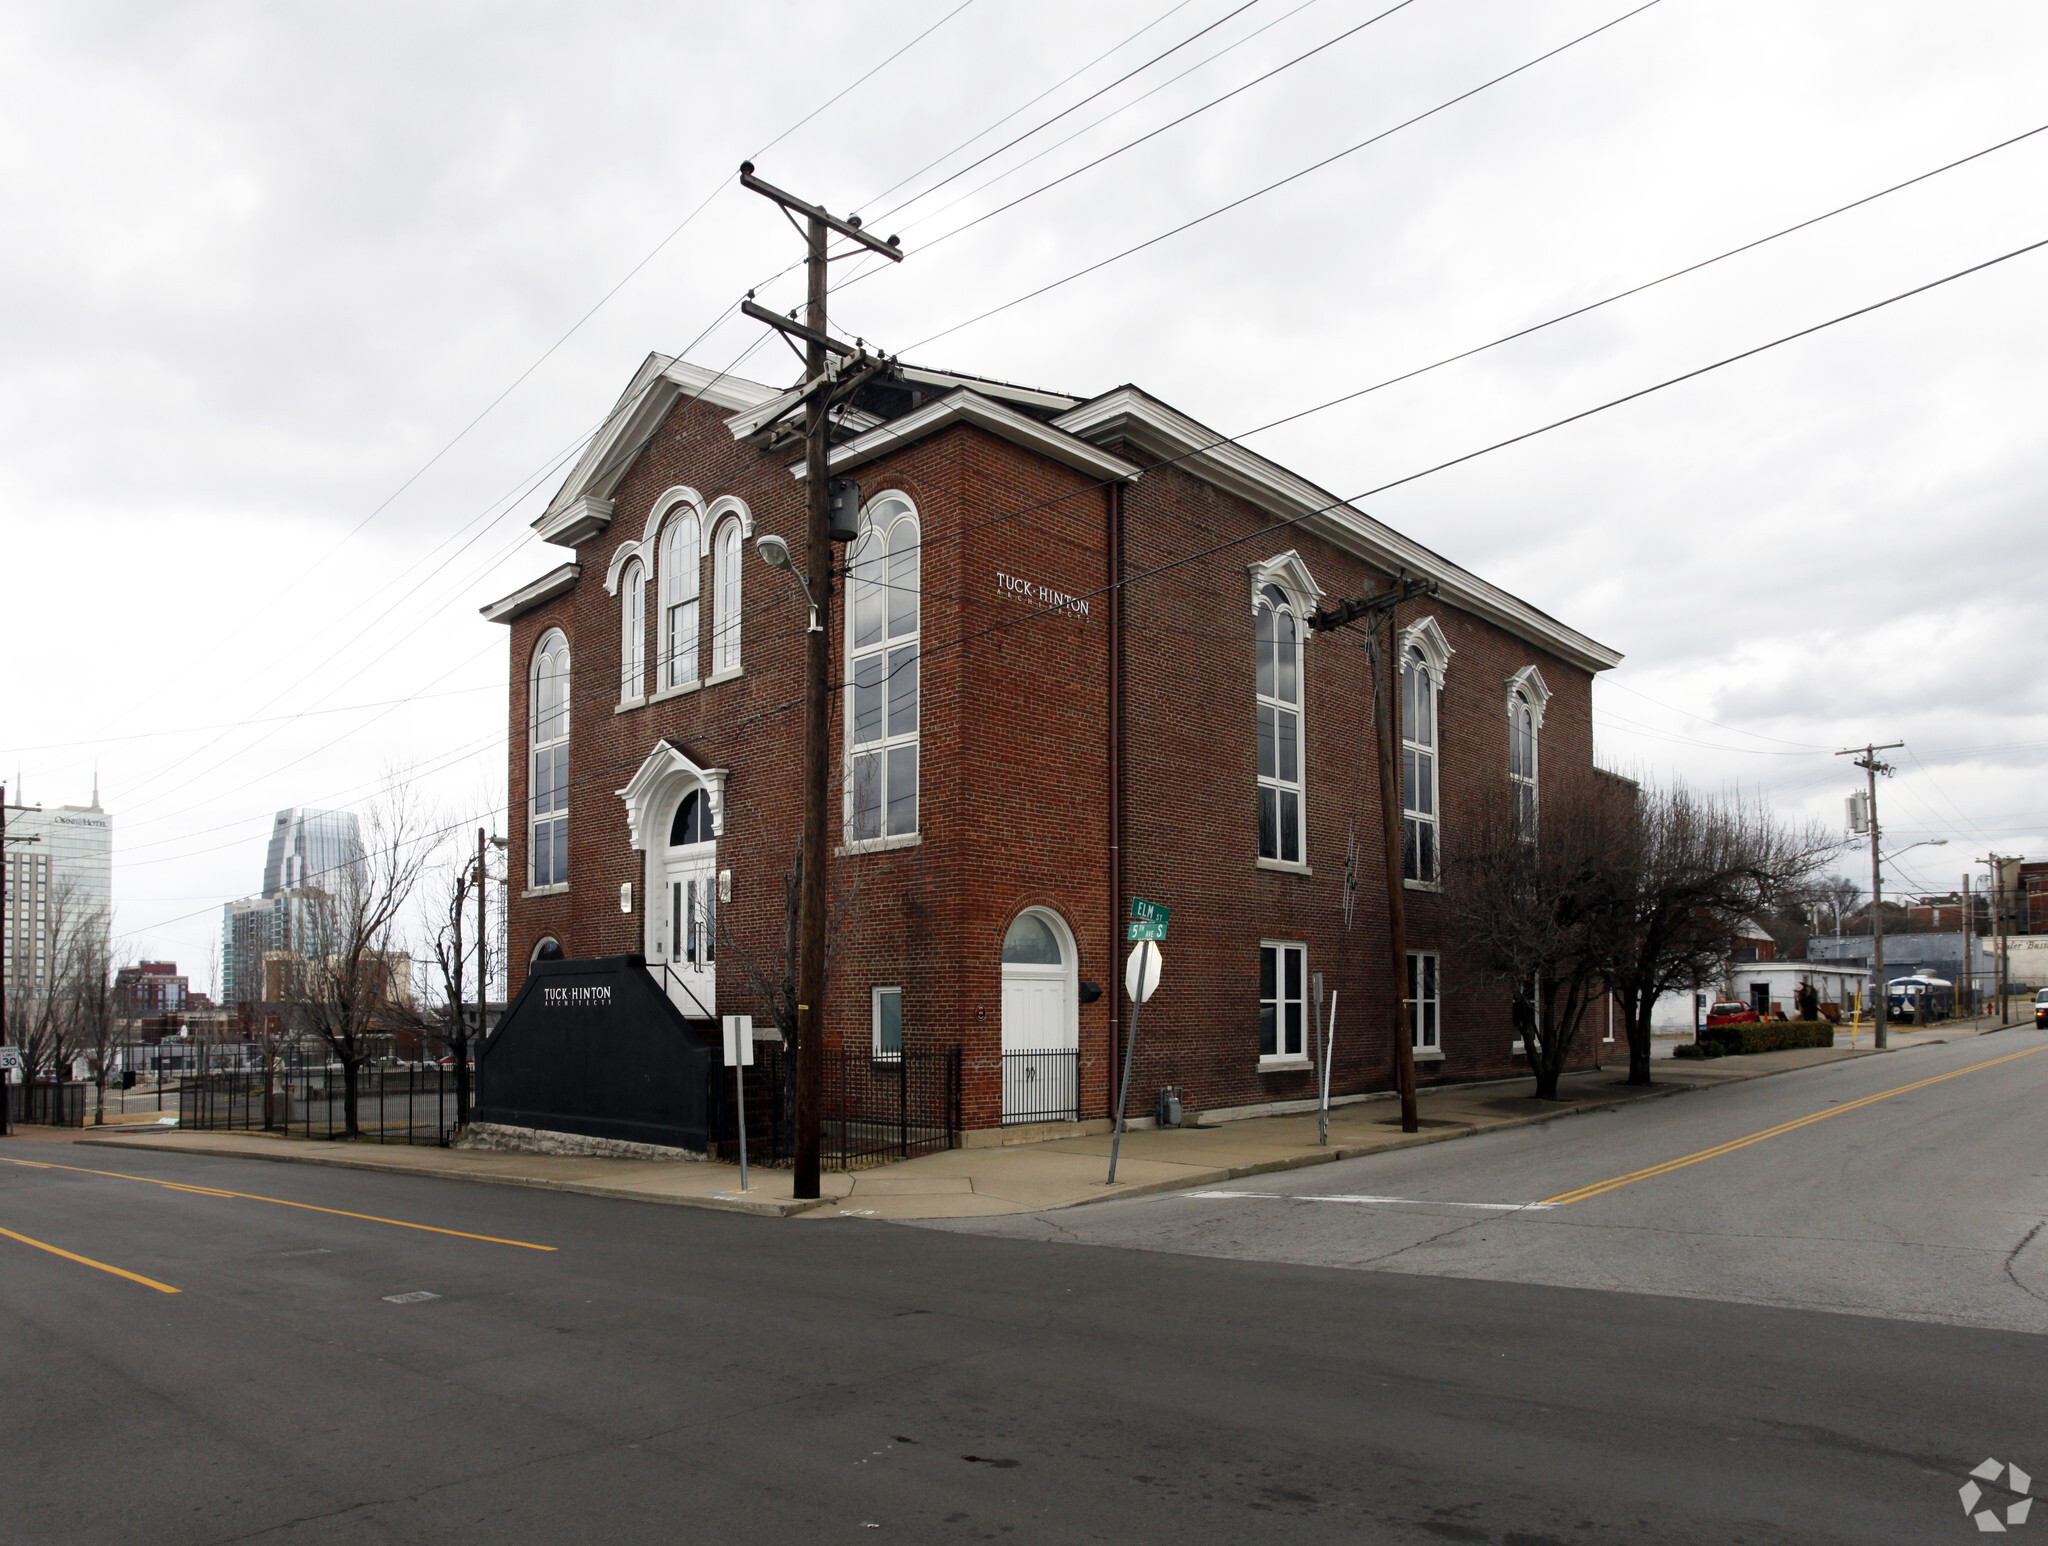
[
  {"x": 1041, "y": 1020},
  {"x": 682, "y": 913}
]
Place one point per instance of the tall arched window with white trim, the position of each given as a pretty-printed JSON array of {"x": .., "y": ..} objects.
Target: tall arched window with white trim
[
  {"x": 548, "y": 796},
  {"x": 1418, "y": 768},
  {"x": 632, "y": 632},
  {"x": 882, "y": 674},
  {"x": 725, "y": 597},
  {"x": 680, "y": 551},
  {"x": 1522, "y": 759},
  {"x": 1278, "y": 634}
]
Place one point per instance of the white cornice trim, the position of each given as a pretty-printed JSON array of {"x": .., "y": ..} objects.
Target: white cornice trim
[
  {"x": 750, "y": 421},
  {"x": 527, "y": 597},
  {"x": 660, "y": 383},
  {"x": 965, "y": 407},
  {"x": 1167, "y": 433}
]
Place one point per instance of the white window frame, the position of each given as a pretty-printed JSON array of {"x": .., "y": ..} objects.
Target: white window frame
[
  {"x": 1421, "y": 791},
  {"x": 883, "y": 1054},
  {"x": 682, "y": 563},
  {"x": 1425, "y": 1003},
  {"x": 1280, "y": 1057},
  {"x": 876, "y": 738},
  {"x": 1273, "y": 602},
  {"x": 633, "y": 632},
  {"x": 726, "y": 554},
  {"x": 1528, "y": 695},
  {"x": 548, "y": 736}
]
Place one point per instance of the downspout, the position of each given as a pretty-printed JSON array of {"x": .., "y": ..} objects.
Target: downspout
[{"x": 1116, "y": 774}]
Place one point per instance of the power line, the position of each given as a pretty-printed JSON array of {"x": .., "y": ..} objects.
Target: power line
[{"x": 1291, "y": 177}]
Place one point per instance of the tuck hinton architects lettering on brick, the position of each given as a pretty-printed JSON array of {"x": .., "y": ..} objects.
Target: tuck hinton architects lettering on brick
[{"x": 1019, "y": 748}]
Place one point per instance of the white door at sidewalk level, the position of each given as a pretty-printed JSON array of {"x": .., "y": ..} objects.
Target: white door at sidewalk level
[{"x": 1041, "y": 1015}]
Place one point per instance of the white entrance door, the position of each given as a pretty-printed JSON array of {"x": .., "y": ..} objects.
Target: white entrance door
[
  {"x": 682, "y": 912},
  {"x": 1040, "y": 1022}
]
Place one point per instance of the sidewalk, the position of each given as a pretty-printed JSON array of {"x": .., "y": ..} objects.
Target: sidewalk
[{"x": 1026, "y": 1178}]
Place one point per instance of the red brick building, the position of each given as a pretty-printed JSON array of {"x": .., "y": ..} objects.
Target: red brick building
[{"x": 1074, "y": 670}]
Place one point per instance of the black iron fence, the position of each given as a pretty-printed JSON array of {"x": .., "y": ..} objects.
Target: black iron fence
[
  {"x": 47, "y": 1104},
  {"x": 876, "y": 1109},
  {"x": 393, "y": 1105},
  {"x": 1042, "y": 1086}
]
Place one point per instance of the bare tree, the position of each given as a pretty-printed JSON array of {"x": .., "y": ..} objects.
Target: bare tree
[
  {"x": 92, "y": 965},
  {"x": 451, "y": 911},
  {"x": 41, "y": 1017},
  {"x": 1527, "y": 909},
  {"x": 1688, "y": 871},
  {"x": 351, "y": 985}
]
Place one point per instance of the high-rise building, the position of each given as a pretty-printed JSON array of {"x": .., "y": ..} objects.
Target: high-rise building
[
  {"x": 259, "y": 926},
  {"x": 59, "y": 878},
  {"x": 307, "y": 847}
]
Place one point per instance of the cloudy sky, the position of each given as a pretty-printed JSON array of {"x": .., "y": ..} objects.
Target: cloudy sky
[{"x": 306, "y": 306}]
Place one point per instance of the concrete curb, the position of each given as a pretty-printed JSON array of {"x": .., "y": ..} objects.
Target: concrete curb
[
  {"x": 765, "y": 1207},
  {"x": 787, "y": 1207}
]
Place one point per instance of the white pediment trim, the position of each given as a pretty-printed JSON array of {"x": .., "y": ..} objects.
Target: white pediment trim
[
  {"x": 660, "y": 384},
  {"x": 651, "y": 794},
  {"x": 1529, "y": 681},
  {"x": 1291, "y": 574},
  {"x": 1150, "y": 426},
  {"x": 1427, "y": 636},
  {"x": 999, "y": 419}
]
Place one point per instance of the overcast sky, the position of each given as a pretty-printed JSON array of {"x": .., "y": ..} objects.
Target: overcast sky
[{"x": 264, "y": 264}]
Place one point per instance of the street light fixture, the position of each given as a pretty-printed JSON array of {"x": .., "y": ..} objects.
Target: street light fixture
[{"x": 775, "y": 554}]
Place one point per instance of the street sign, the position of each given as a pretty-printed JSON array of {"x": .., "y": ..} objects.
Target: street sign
[
  {"x": 1138, "y": 931},
  {"x": 739, "y": 1041},
  {"x": 10, "y": 1060},
  {"x": 1141, "y": 971},
  {"x": 1150, "y": 912}
]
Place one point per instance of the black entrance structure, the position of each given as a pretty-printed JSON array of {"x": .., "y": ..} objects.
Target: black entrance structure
[{"x": 595, "y": 1048}]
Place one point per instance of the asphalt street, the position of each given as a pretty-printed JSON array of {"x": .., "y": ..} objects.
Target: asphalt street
[
  {"x": 1927, "y": 1204},
  {"x": 673, "y": 1375}
]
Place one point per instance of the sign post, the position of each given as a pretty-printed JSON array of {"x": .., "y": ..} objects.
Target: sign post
[
  {"x": 1141, "y": 979},
  {"x": 739, "y": 1052}
]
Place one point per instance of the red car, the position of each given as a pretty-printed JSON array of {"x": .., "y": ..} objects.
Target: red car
[{"x": 1732, "y": 1012}]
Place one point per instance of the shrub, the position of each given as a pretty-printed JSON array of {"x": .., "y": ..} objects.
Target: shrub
[{"x": 1766, "y": 1036}]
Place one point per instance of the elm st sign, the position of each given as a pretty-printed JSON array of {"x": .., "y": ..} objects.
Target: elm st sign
[{"x": 1148, "y": 920}]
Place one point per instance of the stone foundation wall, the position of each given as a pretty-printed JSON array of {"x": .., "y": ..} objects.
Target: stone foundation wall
[{"x": 505, "y": 1139}]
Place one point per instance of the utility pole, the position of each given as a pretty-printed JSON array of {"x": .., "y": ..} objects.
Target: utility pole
[
  {"x": 825, "y": 383},
  {"x": 1967, "y": 983},
  {"x": 8, "y": 922},
  {"x": 1996, "y": 864},
  {"x": 1367, "y": 611},
  {"x": 1881, "y": 1007}
]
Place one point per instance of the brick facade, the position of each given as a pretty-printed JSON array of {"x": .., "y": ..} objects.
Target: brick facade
[{"x": 1016, "y": 752}]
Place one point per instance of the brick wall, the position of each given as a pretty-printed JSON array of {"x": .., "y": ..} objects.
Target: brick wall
[{"x": 1014, "y": 776}]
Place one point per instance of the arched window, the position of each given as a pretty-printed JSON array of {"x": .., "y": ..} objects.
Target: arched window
[
  {"x": 725, "y": 597},
  {"x": 547, "y": 948},
  {"x": 632, "y": 632},
  {"x": 548, "y": 844},
  {"x": 693, "y": 820},
  {"x": 1522, "y": 759},
  {"x": 1418, "y": 768},
  {"x": 679, "y": 581},
  {"x": 1031, "y": 942},
  {"x": 882, "y": 672},
  {"x": 1279, "y": 705}
]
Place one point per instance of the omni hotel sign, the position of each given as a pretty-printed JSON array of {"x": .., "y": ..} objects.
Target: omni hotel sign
[
  {"x": 597, "y": 996},
  {"x": 1008, "y": 585}
]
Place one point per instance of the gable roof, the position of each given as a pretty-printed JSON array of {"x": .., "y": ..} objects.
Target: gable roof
[{"x": 1143, "y": 421}]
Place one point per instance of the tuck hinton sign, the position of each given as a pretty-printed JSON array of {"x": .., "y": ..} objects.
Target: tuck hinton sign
[
  {"x": 597, "y": 996},
  {"x": 1041, "y": 595}
]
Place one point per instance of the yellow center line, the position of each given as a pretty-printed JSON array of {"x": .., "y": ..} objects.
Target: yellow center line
[
  {"x": 133, "y": 1277},
  {"x": 282, "y": 1202},
  {"x": 1582, "y": 1193}
]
